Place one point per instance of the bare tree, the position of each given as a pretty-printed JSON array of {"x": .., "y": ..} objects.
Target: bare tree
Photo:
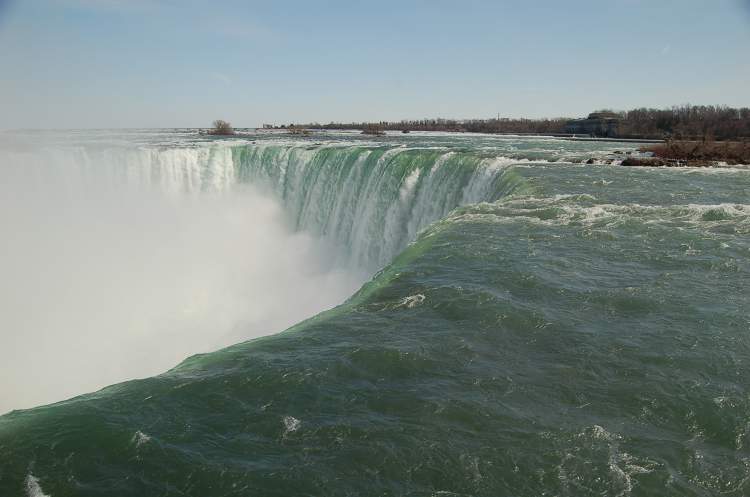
[{"x": 222, "y": 128}]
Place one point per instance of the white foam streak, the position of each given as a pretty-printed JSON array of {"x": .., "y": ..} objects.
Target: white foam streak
[
  {"x": 578, "y": 209},
  {"x": 33, "y": 489}
]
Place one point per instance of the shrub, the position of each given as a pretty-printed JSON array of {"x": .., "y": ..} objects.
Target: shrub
[{"x": 222, "y": 128}]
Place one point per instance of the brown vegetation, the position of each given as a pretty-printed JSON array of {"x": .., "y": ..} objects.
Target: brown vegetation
[
  {"x": 222, "y": 128},
  {"x": 731, "y": 152},
  {"x": 693, "y": 154}
]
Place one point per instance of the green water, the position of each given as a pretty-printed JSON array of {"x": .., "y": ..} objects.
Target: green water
[{"x": 538, "y": 328}]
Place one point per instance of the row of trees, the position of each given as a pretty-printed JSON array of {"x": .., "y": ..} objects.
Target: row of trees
[
  {"x": 699, "y": 122},
  {"x": 504, "y": 125},
  {"x": 687, "y": 122}
]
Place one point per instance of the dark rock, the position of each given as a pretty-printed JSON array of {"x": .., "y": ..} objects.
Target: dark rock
[
  {"x": 635, "y": 162},
  {"x": 657, "y": 162}
]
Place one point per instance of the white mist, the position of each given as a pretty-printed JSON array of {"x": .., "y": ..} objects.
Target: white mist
[{"x": 103, "y": 279}]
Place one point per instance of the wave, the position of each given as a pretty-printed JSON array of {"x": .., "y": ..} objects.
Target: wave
[{"x": 585, "y": 210}]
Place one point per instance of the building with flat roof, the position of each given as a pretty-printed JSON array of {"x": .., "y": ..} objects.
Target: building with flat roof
[{"x": 605, "y": 124}]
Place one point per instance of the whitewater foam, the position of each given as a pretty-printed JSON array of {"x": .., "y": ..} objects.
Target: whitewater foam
[
  {"x": 140, "y": 438},
  {"x": 412, "y": 301},
  {"x": 291, "y": 424},
  {"x": 582, "y": 209},
  {"x": 33, "y": 489}
]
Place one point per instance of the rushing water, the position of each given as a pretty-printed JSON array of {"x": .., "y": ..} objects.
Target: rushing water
[{"x": 528, "y": 325}]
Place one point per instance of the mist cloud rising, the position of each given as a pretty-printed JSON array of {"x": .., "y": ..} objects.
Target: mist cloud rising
[{"x": 102, "y": 284}]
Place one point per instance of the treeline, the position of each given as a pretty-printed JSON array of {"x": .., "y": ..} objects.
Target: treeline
[
  {"x": 502, "y": 125},
  {"x": 693, "y": 122},
  {"x": 697, "y": 122}
]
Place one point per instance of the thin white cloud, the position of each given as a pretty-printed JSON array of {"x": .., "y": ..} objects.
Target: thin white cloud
[
  {"x": 109, "y": 5},
  {"x": 222, "y": 78},
  {"x": 216, "y": 22},
  {"x": 241, "y": 29}
]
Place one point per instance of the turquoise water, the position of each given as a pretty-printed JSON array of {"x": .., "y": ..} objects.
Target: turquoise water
[{"x": 533, "y": 326}]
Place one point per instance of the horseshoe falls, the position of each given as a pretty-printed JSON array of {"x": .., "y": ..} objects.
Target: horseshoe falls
[{"x": 428, "y": 314}]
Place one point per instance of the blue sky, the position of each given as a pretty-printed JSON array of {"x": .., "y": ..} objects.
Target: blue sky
[{"x": 165, "y": 63}]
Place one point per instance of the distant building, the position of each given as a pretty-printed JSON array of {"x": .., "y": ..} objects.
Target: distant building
[{"x": 596, "y": 124}]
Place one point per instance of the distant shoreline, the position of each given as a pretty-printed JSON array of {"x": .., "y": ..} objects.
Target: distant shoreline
[
  {"x": 645, "y": 125},
  {"x": 559, "y": 136}
]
